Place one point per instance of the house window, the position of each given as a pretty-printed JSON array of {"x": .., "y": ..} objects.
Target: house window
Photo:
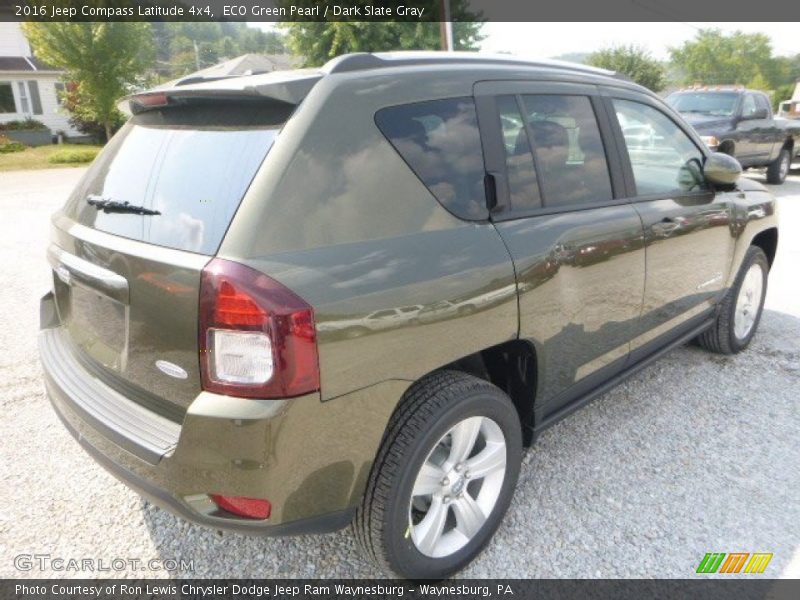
[
  {"x": 7, "y": 98},
  {"x": 60, "y": 93},
  {"x": 25, "y": 106}
]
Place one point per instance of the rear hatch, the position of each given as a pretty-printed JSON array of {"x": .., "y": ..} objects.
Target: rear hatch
[{"x": 129, "y": 246}]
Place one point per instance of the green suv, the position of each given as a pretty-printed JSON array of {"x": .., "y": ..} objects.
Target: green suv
[{"x": 290, "y": 302}]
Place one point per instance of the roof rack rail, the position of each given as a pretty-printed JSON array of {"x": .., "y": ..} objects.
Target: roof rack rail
[{"x": 362, "y": 61}]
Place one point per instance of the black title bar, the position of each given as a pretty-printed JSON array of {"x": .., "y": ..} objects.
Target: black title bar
[
  {"x": 738, "y": 588},
  {"x": 400, "y": 10}
]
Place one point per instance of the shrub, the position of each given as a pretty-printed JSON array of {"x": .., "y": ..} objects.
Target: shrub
[
  {"x": 7, "y": 146},
  {"x": 82, "y": 155},
  {"x": 26, "y": 125},
  {"x": 70, "y": 102}
]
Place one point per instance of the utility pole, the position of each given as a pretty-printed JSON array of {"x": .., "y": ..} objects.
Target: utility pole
[
  {"x": 196, "y": 55},
  {"x": 446, "y": 25}
]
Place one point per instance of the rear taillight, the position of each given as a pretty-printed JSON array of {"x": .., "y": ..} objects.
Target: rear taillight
[{"x": 257, "y": 338}]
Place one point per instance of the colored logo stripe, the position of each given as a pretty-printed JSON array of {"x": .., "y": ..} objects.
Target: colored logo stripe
[
  {"x": 713, "y": 562},
  {"x": 758, "y": 562},
  {"x": 734, "y": 562}
]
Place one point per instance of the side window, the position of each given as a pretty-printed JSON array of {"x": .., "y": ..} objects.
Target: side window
[
  {"x": 762, "y": 103},
  {"x": 439, "y": 140},
  {"x": 664, "y": 159},
  {"x": 568, "y": 150},
  {"x": 748, "y": 105},
  {"x": 382, "y": 314},
  {"x": 522, "y": 184}
]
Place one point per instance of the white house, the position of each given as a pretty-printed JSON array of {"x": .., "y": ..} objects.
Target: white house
[{"x": 28, "y": 88}]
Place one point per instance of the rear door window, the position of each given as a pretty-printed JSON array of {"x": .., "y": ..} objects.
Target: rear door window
[
  {"x": 568, "y": 149},
  {"x": 440, "y": 142},
  {"x": 191, "y": 169},
  {"x": 523, "y": 187}
]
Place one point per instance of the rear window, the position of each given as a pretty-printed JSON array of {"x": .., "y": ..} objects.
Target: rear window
[
  {"x": 439, "y": 140},
  {"x": 192, "y": 166},
  {"x": 718, "y": 104}
]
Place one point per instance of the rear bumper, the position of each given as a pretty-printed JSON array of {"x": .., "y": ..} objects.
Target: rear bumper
[
  {"x": 310, "y": 459},
  {"x": 197, "y": 511}
]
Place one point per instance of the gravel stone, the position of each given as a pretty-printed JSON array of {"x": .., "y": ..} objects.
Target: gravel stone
[{"x": 697, "y": 453}]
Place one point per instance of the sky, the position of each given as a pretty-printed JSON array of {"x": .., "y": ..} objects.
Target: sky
[{"x": 545, "y": 40}]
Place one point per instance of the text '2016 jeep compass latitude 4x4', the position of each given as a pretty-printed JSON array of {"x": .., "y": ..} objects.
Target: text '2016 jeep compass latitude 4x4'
[{"x": 214, "y": 333}]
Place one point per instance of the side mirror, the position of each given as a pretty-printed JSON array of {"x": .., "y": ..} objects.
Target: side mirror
[{"x": 722, "y": 169}]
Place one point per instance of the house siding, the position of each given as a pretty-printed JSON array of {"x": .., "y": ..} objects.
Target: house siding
[
  {"x": 12, "y": 41},
  {"x": 53, "y": 116},
  {"x": 14, "y": 44}
]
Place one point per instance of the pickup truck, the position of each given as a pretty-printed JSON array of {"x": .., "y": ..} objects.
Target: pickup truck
[{"x": 740, "y": 122}]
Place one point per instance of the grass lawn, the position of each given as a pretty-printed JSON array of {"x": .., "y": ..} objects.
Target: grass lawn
[{"x": 38, "y": 157}]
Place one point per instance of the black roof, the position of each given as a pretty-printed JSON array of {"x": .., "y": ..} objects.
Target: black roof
[{"x": 23, "y": 63}]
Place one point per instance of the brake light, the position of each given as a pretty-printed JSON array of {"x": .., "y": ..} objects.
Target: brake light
[
  {"x": 151, "y": 100},
  {"x": 257, "y": 338},
  {"x": 250, "y": 508}
]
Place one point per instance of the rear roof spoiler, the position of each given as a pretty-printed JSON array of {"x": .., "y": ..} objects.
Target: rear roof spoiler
[{"x": 287, "y": 87}]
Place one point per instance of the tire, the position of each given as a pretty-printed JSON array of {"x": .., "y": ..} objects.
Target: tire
[
  {"x": 779, "y": 168},
  {"x": 387, "y": 528},
  {"x": 723, "y": 337}
]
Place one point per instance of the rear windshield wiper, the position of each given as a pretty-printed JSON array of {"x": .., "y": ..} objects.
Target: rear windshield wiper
[{"x": 113, "y": 206}]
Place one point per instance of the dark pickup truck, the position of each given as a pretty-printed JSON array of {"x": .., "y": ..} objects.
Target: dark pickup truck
[{"x": 739, "y": 122}]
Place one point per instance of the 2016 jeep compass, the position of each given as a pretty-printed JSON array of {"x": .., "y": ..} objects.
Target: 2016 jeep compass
[{"x": 286, "y": 303}]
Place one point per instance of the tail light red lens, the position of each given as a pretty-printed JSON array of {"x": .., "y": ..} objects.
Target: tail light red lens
[
  {"x": 257, "y": 338},
  {"x": 250, "y": 508}
]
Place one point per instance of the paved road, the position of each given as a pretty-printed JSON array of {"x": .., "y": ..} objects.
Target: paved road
[{"x": 698, "y": 453}]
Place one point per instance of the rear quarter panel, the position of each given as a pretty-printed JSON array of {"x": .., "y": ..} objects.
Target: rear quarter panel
[{"x": 336, "y": 215}]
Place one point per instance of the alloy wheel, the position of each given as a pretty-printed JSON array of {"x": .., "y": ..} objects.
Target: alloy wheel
[
  {"x": 457, "y": 487},
  {"x": 748, "y": 301},
  {"x": 784, "y": 168}
]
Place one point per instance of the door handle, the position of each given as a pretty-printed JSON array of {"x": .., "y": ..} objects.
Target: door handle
[{"x": 667, "y": 225}]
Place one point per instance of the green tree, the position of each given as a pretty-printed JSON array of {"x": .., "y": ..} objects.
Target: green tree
[
  {"x": 759, "y": 82},
  {"x": 255, "y": 41},
  {"x": 183, "y": 47},
  {"x": 103, "y": 61},
  {"x": 716, "y": 58},
  {"x": 317, "y": 43},
  {"x": 633, "y": 61},
  {"x": 782, "y": 92}
]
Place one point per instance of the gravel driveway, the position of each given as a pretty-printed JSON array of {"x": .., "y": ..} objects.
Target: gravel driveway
[{"x": 698, "y": 453}]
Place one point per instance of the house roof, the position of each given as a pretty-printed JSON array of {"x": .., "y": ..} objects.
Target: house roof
[
  {"x": 23, "y": 63},
  {"x": 246, "y": 64}
]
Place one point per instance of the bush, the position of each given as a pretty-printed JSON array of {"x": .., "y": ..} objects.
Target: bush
[
  {"x": 70, "y": 102},
  {"x": 7, "y": 146},
  {"x": 73, "y": 156},
  {"x": 26, "y": 125}
]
